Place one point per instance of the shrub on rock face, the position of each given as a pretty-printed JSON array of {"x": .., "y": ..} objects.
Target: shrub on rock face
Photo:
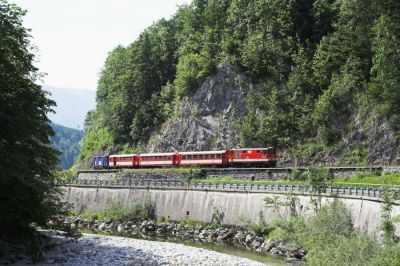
[{"x": 27, "y": 160}]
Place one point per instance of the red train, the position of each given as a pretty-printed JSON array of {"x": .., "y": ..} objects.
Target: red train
[{"x": 247, "y": 157}]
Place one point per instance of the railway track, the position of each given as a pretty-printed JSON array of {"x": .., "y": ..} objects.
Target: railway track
[{"x": 231, "y": 169}]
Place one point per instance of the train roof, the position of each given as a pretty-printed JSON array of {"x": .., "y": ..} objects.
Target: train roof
[
  {"x": 123, "y": 155},
  {"x": 158, "y": 154},
  {"x": 201, "y": 152}
]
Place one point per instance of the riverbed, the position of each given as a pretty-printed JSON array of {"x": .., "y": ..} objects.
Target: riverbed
[{"x": 112, "y": 250}]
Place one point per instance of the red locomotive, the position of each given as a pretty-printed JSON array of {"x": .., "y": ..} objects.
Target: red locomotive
[{"x": 246, "y": 157}]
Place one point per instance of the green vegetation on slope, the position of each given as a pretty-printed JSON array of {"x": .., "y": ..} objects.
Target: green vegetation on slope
[
  {"x": 329, "y": 235},
  {"x": 321, "y": 62},
  {"x": 67, "y": 141},
  {"x": 27, "y": 193},
  {"x": 360, "y": 180}
]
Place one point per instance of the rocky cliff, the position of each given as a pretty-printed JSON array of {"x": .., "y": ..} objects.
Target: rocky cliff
[{"x": 204, "y": 121}]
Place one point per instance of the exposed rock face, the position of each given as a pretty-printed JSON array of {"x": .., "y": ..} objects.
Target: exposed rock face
[
  {"x": 383, "y": 146},
  {"x": 205, "y": 119},
  {"x": 371, "y": 132}
]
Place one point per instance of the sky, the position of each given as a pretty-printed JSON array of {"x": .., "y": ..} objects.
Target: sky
[{"x": 73, "y": 37}]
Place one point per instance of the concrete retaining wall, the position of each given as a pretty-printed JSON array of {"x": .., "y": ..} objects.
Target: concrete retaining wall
[{"x": 199, "y": 205}]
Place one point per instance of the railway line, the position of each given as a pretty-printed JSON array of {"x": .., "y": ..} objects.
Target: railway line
[{"x": 249, "y": 169}]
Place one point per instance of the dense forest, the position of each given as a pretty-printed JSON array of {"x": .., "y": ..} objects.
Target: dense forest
[
  {"x": 324, "y": 65},
  {"x": 66, "y": 140}
]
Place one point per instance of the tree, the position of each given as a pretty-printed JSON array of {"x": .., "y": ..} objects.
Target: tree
[{"x": 27, "y": 193}]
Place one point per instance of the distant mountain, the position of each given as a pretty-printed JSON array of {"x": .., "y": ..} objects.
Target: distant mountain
[
  {"x": 72, "y": 105},
  {"x": 66, "y": 140}
]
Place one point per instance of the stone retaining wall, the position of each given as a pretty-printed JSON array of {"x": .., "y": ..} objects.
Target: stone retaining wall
[
  {"x": 141, "y": 174},
  {"x": 270, "y": 174}
]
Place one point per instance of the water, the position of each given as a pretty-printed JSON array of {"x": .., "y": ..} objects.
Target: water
[
  {"x": 223, "y": 248},
  {"x": 236, "y": 251}
]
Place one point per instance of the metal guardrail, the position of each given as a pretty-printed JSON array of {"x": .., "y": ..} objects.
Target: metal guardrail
[{"x": 177, "y": 184}]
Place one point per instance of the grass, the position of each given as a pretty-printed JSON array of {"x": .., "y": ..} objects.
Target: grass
[
  {"x": 195, "y": 224},
  {"x": 232, "y": 180},
  {"x": 359, "y": 180},
  {"x": 370, "y": 179}
]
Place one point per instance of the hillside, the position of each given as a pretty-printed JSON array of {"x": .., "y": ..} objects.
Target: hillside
[
  {"x": 318, "y": 79},
  {"x": 66, "y": 140}
]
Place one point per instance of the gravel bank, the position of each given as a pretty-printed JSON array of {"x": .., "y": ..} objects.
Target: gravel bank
[{"x": 111, "y": 250}]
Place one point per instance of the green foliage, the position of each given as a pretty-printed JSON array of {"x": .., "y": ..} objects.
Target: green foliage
[
  {"x": 95, "y": 141},
  {"x": 388, "y": 256},
  {"x": 371, "y": 179},
  {"x": 27, "y": 192},
  {"x": 387, "y": 221},
  {"x": 332, "y": 220},
  {"x": 356, "y": 249},
  {"x": 261, "y": 227},
  {"x": 216, "y": 217},
  {"x": 138, "y": 211},
  {"x": 297, "y": 175},
  {"x": 318, "y": 177},
  {"x": 67, "y": 175},
  {"x": 385, "y": 70},
  {"x": 193, "y": 223},
  {"x": 191, "y": 71},
  {"x": 66, "y": 140}
]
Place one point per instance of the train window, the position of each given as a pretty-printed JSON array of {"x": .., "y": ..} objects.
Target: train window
[
  {"x": 264, "y": 152},
  {"x": 200, "y": 156},
  {"x": 218, "y": 156},
  {"x": 244, "y": 151},
  {"x": 194, "y": 156},
  {"x": 258, "y": 151}
]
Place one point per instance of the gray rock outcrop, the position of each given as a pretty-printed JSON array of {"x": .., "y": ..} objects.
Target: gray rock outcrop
[{"x": 205, "y": 119}]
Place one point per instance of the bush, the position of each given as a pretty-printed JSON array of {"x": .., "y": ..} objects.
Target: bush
[
  {"x": 297, "y": 175},
  {"x": 332, "y": 220},
  {"x": 355, "y": 249},
  {"x": 318, "y": 176},
  {"x": 138, "y": 211},
  {"x": 388, "y": 256}
]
